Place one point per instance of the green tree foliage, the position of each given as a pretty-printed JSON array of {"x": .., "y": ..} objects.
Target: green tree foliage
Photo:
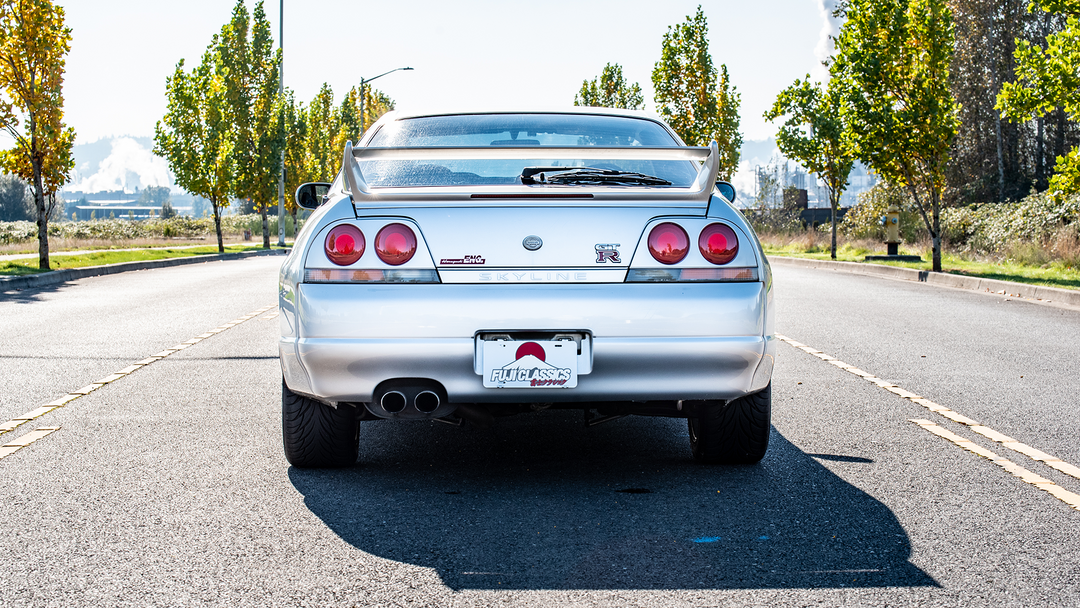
[
  {"x": 251, "y": 81},
  {"x": 892, "y": 66},
  {"x": 1048, "y": 80},
  {"x": 154, "y": 195},
  {"x": 610, "y": 90},
  {"x": 196, "y": 135},
  {"x": 815, "y": 136},
  {"x": 33, "y": 43},
  {"x": 698, "y": 101}
]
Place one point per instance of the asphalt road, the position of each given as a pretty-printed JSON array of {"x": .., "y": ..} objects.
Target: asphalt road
[{"x": 168, "y": 486}]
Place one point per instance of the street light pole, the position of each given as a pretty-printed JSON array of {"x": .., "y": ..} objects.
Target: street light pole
[
  {"x": 363, "y": 83},
  {"x": 281, "y": 94}
]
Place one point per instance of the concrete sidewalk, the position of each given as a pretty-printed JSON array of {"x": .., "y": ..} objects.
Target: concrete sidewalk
[
  {"x": 1034, "y": 293},
  {"x": 70, "y": 274}
]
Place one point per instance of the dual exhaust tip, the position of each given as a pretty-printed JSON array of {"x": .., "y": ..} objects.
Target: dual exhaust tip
[{"x": 395, "y": 402}]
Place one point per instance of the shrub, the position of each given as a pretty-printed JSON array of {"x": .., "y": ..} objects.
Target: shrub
[{"x": 863, "y": 221}]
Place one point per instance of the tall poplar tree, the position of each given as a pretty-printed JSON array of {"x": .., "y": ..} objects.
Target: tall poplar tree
[
  {"x": 250, "y": 72},
  {"x": 696, "y": 99},
  {"x": 33, "y": 43},
  {"x": 610, "y": 90},
  {"x": 892, "y": 65}
]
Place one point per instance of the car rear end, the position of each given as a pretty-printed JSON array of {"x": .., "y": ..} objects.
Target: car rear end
[{"x": 460, "y": 302}]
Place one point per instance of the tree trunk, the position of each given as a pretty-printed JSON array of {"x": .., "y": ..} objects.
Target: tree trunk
[
  {"x": 997, "y": 116},
  {"x": 935, "y": 235},
  {"x": 294, "y": 230},
  {"x": 266, "y": 228},
  {"x": 217, "y": 225},
  {"x": 835, "y": 203},
  {"x": 1040, "y": 155},
  {"x": 42, "y": 218}
]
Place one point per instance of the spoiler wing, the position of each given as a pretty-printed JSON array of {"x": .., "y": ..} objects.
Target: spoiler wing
[{"x": 700, "y": 190}]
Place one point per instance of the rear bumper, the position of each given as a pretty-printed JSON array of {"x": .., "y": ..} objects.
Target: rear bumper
[{"x": 650, "y": 342}]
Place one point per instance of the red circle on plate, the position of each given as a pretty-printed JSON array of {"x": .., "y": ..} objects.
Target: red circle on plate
[{"x": 531, "y": 348}]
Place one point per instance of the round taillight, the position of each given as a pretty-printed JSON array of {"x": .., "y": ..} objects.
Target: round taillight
[
  {"x": 344, "y": 244},
  {"x": 668, "y": 243},
  {"x": 718, "y": 243},
  {"x": 395, "y": 244}
]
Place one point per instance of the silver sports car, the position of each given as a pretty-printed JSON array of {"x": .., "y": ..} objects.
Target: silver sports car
[{"x": 465, "y": 266}]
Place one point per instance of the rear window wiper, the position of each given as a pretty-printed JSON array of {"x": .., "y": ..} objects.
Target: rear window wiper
[{"x": 588, "y": 176}]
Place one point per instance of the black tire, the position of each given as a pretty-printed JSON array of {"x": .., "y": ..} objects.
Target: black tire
[
  {"x": 317, "y": 435},
  {"x": 736, "y": 433}
]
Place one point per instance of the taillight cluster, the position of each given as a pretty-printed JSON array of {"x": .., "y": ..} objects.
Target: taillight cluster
[
  {"x": 669, "y": 244},
  {"x": 395, "y": 244}
]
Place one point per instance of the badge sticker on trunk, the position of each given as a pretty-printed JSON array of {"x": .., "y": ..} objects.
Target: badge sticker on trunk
[{"x": 510, "y": 364}]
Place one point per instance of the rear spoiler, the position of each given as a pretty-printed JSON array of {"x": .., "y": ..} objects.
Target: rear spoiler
[{"x": 701, "y": 190}]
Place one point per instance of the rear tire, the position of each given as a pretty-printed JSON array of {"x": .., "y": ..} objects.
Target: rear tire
[
  {"x": 736, "y": 433},
  {"x": 317, "y": 435}
]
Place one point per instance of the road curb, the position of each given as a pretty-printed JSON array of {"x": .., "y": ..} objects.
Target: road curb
[
  {"x": 70, "y": 274},
  {"x": 941, "y": 279}
]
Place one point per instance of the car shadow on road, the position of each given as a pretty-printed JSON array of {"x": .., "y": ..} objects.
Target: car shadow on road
[{"x": 540, "y": 502}]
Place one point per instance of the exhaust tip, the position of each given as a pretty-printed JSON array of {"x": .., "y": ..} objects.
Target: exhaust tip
[
  {"x": 393, "y": 402},
  {"x": 426, "y": 402}
]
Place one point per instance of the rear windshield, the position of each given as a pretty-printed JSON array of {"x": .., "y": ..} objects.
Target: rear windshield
[{"x": 518, "y": 130}]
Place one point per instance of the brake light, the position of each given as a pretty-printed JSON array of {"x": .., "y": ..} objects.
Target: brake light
[
  {"x": 668, "y": 243},
  {"x": 344, "y": 244},
  {"x": 395, "y": 244},
  {"x": 718, "y": 243}
]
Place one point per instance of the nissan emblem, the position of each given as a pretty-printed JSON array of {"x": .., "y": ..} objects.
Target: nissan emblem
[{"x": 532, "y": 243}]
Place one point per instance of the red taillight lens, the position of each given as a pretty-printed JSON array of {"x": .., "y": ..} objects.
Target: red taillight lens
[
  {"x": 668, "y": 243},
  {"x": 718, "y": 243},
  {"x": 395, "y": 244},
  {"x": 345, "y": 244}
]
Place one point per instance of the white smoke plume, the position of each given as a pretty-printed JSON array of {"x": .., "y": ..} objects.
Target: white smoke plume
[
  {"x": 825, "y": 47},
  {"x": 128, "y": 166}
]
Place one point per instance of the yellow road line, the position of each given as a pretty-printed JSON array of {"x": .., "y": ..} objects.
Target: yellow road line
[
  {"x": 14, "y": 446},
  {"x": 985, "y": 431},
  {"x": 17, "y": 421},
  {"x": 1070, "y": 498}
]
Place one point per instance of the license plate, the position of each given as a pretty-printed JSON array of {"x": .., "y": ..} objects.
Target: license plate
[{"x": 537, "y": 364}]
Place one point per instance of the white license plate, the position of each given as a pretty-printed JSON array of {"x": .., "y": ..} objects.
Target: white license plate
[{"x": 532, "y": 364}]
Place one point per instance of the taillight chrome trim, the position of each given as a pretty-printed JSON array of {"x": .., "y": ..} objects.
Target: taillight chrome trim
[
  {"x": 692, "y": 275},
  {"x": 327, "y": 275}
]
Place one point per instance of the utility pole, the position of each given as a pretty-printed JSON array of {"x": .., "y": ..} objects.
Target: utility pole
[{"x": 281, "y": 97}]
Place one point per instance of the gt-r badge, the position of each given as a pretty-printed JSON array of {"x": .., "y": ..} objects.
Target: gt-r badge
[
  {"x": 532, "y": 243},
  {"x": 607, "y": 252}
]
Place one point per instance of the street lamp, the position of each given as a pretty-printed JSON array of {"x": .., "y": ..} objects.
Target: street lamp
[{"x": 363, "y": 81}]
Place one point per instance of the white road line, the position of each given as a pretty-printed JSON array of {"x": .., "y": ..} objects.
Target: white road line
[
  {"x": 985, "y": 431},
  {"x": 17, "y": 421}
]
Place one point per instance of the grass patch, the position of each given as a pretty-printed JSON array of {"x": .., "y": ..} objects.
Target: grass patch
[
  {"x": 25, "y": 266},
  {"x": 1053, "y": 274}
]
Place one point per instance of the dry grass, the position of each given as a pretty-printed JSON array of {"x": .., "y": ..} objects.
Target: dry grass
[{"x": 60, "y": 244}]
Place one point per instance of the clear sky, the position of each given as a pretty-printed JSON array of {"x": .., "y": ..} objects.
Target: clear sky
[{"x": 490, "y": 53}]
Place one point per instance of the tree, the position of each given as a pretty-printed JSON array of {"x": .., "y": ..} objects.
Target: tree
[
  {"x": 16, "y": 204},
  {"x": 33, "y": 43},
  {"x": 610, "y": 90},
  {"x": 698, "y": 102},
  {"x": 294, "y": 118},
  {"x": 892, "y": 66},
  {"x": 251, "y": 84},
  {"x": 196, "y": 135},
  {"x": 815, "y": 136},
  {"x": 1047, "y": 80}
]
